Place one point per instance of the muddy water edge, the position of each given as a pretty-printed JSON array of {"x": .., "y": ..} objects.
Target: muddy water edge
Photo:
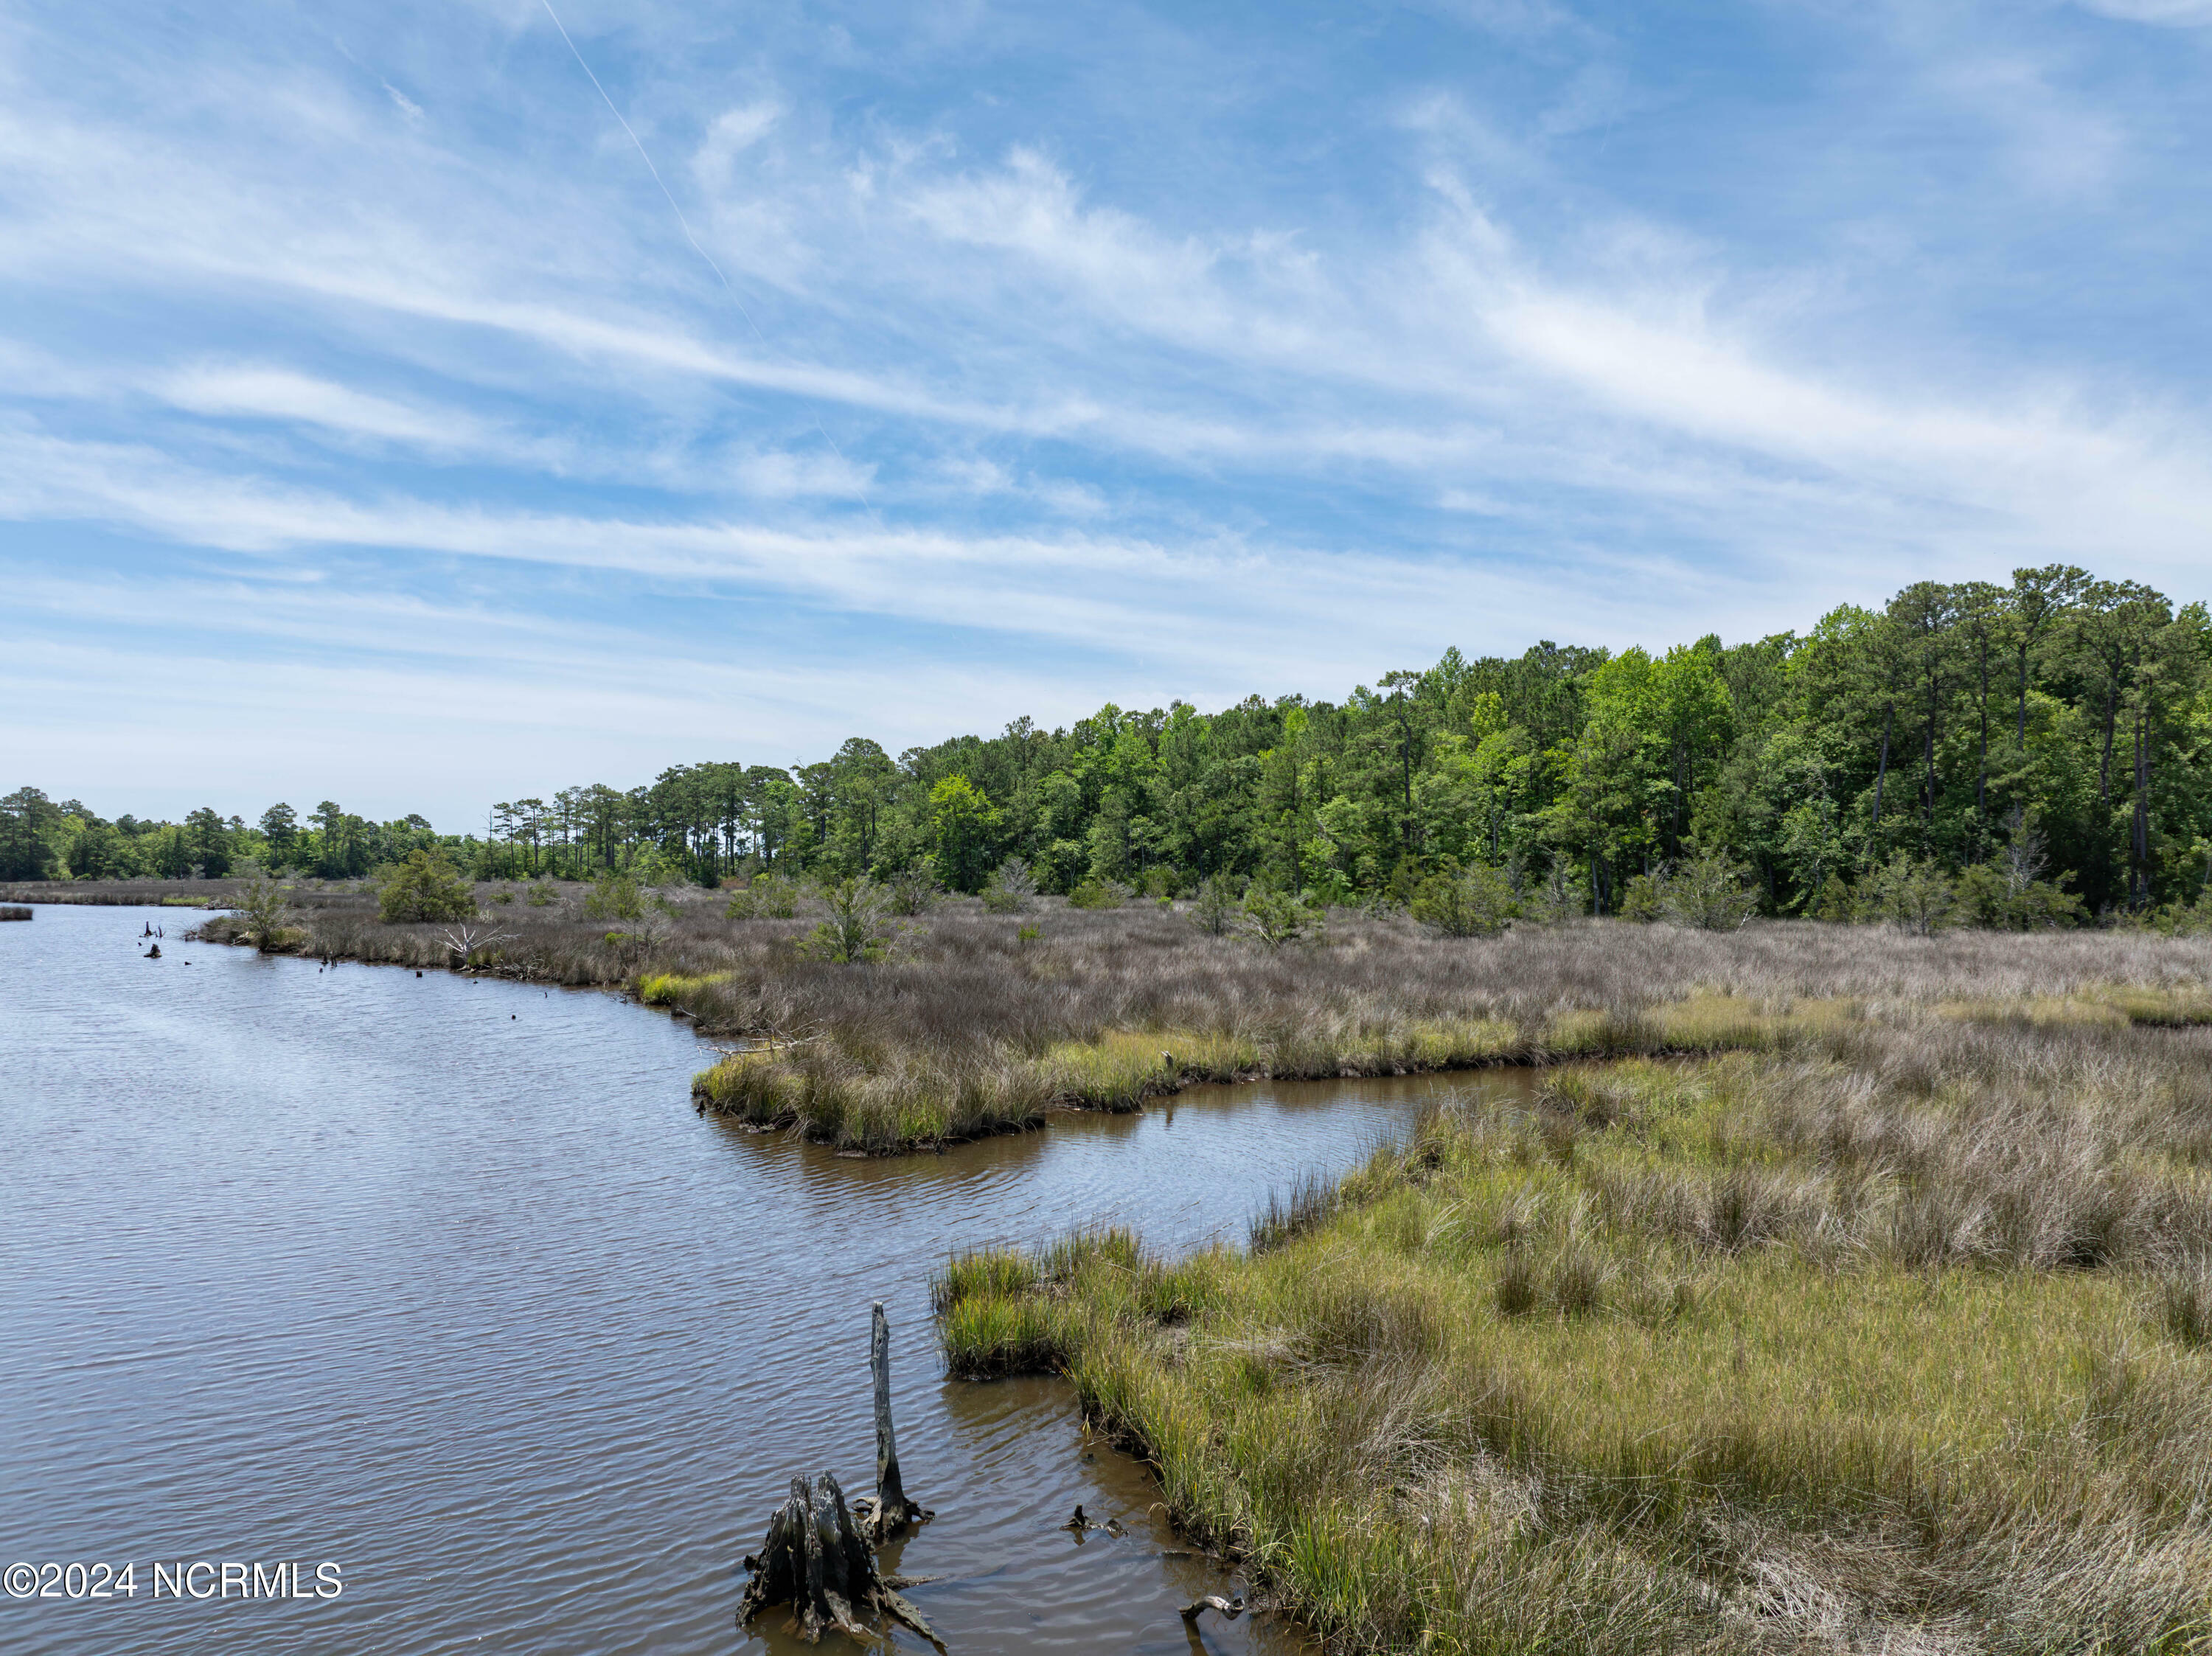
[{"x": 442, "y": 1280}]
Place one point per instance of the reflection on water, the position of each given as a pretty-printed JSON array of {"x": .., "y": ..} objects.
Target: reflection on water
[{"x": 445, "y": 1281}]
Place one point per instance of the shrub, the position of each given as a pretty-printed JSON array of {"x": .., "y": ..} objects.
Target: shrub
[
  {"x": 912, "y": 891},
  {"x": 1712, "y": 893},
  {"x": 1213, "y": 908},
  {"x": 854, "y": 932},
  {"x": 1639, "y": 900},
  {"x": 542, "y": 894},
  {"x": 1098, "y": 893},
  {"x": 266, "y": 910},
  {"x": 1562, "y": 896},
  {"x": 425, "y": 888},
  {"x": 1010, "y": 888},
  {"x": 768, "y": 897},
  {"x": 1913, "y": 894},
  {"x": 1475, "y": 902},
  {"x": 616, "y": 896},
  {"x": 1272, "y": 918}
]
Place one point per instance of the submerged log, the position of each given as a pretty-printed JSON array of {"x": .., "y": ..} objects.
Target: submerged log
[
  {"x": 888, "y": 1511},
  {"x": 1231, "y": 1608},
  {"x": 820, "y": 1563}
]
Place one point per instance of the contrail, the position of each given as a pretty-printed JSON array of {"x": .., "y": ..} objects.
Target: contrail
[
  {"x": 651, "y": 168},
  {"x": 728, "y": 286}
]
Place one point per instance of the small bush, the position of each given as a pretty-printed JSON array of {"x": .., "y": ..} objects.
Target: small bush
[
  {"x": 1562, "y": 896},
  {"x": 265, "y": 912},
  {"x": 912, "y": 891},
  {"x": 1010, "y": 888},
  {"x": 1639, "y": 900},
  {"x": 854, "y": 931},
  {"x": 1475, "y": 902},
  {"x": 1273, "y": 919},
  {"x": 1098, "y": 893},
  {"x": 1713, "y": 892},
  {"x": 615, "y": 897},
  {"x": 425, "y": 888},
  {"x": 768, "y": 897},
  {"x": 1213, "y": 906},
  {"x": 1913, "y": 894}
]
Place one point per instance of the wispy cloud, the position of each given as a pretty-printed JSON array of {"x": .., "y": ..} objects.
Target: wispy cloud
[
  {"x": 1492, "y": 323},
  {"x": 2176, "y": 14}
]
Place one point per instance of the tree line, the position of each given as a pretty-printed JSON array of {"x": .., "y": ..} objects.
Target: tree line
[{"x": 2057, "y": 728}]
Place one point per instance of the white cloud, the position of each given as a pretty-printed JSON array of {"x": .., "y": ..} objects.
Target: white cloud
[
  {"x": 251, "y": 391},
  {"x": 779, "y": 475},
  {"x": 2175, "y": 13},
  {"x": 733, "y": 132}
]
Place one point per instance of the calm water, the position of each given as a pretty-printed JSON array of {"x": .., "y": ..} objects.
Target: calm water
[{"x": 445, "y": 1281}]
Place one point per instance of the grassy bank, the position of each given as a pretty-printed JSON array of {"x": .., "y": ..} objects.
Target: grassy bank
[{"x": 1891, "y": 1337}]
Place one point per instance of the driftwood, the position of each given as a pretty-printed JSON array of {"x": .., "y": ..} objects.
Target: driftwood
[
  {"x": 888, "y": 1511},
  {"x": 818, "y": 1562},
  {"x": 1232, "y": 1607}
]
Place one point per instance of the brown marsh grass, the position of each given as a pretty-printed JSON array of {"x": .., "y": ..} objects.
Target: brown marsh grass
[
  {"x": 970, "y": 1026},
  {"x": 1890, "y": 1337}
]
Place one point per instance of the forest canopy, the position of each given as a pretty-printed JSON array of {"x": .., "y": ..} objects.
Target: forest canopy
[{"x": 2057, "y": 729}]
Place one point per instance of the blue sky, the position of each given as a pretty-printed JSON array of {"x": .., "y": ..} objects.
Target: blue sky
[{"x": 372, "y": 426}]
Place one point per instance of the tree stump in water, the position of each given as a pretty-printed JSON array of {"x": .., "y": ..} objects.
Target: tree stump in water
[
  {"x": 820, "y": 1563},
  {"x": 820, "y": 1556}
]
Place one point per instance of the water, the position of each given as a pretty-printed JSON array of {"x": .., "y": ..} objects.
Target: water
[{"x": 444, "y": 1281}]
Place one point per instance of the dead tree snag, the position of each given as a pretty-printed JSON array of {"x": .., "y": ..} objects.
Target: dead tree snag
[
  {"x": 890, "y": 1511},
  {"x": 820, "y": 1563}
]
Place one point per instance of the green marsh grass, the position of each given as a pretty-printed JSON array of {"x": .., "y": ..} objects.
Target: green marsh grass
[{"x": 1889, "y": 1335}]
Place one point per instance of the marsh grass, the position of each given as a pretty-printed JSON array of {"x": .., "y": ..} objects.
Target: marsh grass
[
  {"x": 1889, "y": 1335},
  {"x": 976, "y": 1021}
]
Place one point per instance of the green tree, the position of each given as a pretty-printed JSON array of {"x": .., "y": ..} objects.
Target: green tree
[
  {"x": 28, "y": 823},
  {"x": 280, "y": 827},
  {"x": 964, "y": 830},
  {"x": 207, "y": 843}
]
